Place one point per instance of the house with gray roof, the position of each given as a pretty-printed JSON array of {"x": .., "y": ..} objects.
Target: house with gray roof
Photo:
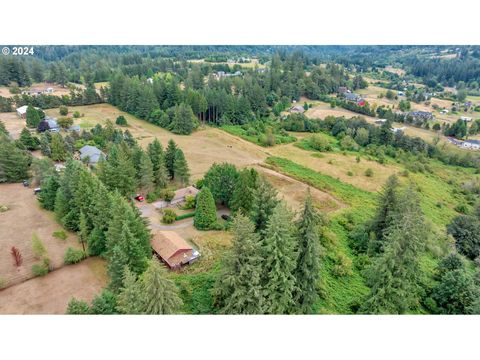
[{"x": 91, "y": 154}]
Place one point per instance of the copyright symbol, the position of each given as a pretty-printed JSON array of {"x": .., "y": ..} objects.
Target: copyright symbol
[{"x": 5, "y": 51}]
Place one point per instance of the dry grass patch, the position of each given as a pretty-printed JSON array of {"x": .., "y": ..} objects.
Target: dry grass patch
[
  {"x": 51, "y": 293},
  {"x": 337, "y": 166},
  {"x": 18, "y": 224}
]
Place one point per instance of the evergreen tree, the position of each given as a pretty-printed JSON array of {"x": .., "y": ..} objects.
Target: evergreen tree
[
  {"x": 395, "y": 277},
  {"x": 157, "y": 157},
  {"x": 243, "y": 192},
  {"x": 78, "y": 307},
  {"x": 307, "y": 271},
  {"x": 264, "y": 201},
  {"x": 279, "y": 262},
  {"x": 32, "y": 117},
  {"x": 181, "y": 172},
  {"x": 115, "y": 267},
  {"x": 58, "y": 151},
  {"x": 184, "y": 120},
  {"x": 160, "y": 294},
  {"x": 170, "y": 157},
  {"x": 131, "y": 294},
  {"x": 118, "y": 171},
  {"x": 14, "y": 162},
  {"x": 3, "y": 129},
  {"x": 384, "y": 216},
  {"x": 30, "y": 142},
  {"x": 49, "y": 192},
  {"x": 239, "y": 289},
  {"x": 205, "y": 210},
  {"x": 145, "y": 173}
]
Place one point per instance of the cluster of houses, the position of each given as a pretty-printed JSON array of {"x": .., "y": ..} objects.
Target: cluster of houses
[
  {"x": 421, "y": 115},
  {"x": 47, "y": 124},
  {"x": 223, "y": 74},
  {"x": 465, "y": 144},
  {"x": 350, "y": 96},
  {"x": 38, "y": 91}
]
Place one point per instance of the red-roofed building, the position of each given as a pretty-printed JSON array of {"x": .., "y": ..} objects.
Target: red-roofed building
[{"x": 173, "y": 250}]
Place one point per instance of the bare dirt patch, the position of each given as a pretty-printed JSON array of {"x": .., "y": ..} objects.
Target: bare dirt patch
[
  {"x": 18, "y": 224},
  {"x": 13, "y": 123},
  {"x": 321, "y": 110},
  {"x": 51, "y": 293}
]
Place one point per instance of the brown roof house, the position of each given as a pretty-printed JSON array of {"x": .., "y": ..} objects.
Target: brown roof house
[
  {"x": 297, "y": 109},
  {"x": 173, "y": 249},
  {"x": 181, "y": 194}
]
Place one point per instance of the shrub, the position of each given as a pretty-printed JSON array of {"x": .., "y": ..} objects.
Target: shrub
[
  {"x": 152, "y": 196},
  {"x": 347, "y": 143},
  {"x": 73, "y": 256},
  {"x": 76, "y": 114},
  {"x": 3, "y": 208},
  {"x": 189, "y": 202},
  {"x": 349, "y": 173},
  {"x": 121, "y": 121},
  {"x": 65, "y": 122},
  {"x": 77, "y": 307},
  {"x": 60, "y": 234},
  {"x": 461, "y": 208},
  {"x": 63, "y": 110},
  {"x": 169, "y": 216},
  {"x": 185, "y": 216},
  {"x": 167, "y": 194},
  {"x": 37, "y": 247},
  {"x": 369, "y": 172},
  {"x": 319, "y": 143},
  {"x": 39, "y": 269},
  {"x": 3, "y": 283}
]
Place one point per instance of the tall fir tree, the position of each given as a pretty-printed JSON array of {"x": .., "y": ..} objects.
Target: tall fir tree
[
  {"x": 264, "y": 201},
  {"x": 384, "y": 216},
  {"x": 180, "y": 168},
  {"x": 32, "y": 117},
  {"x": 170, "y": 157},
  {"x": 307, "y": 272},
  {"x": 395, "y": 277},
  {"x": 239, "y": 289},
  {"x": 279, "y": 250},
  {"x": 243, "y": 192},
  {"x": 160, "y": 294},
  {"x": 157, "y": 157},
  {"x": 58, "y": 149},
  {"x": 14, "y": 162},
  {"x": 131, "y": 294},
  {"x": 30, "y": 142},
  {"x": 49, "y": 192},
  {"x": 145, "y": 173}
]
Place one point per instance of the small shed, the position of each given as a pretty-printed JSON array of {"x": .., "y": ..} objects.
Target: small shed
[
  {"x": 22, "y": 111},
  {"x": 173, "y": 250}
]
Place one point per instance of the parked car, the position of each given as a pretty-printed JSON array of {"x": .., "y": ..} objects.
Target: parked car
[
  {"x": 225, "y": 217},
  {"x": 25, "y": 183},
  {"x": 139, "y": 198},
  {"x": 37, "y": 190}
]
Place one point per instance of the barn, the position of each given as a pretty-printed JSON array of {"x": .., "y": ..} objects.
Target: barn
[{"x": 173, "y": 250}]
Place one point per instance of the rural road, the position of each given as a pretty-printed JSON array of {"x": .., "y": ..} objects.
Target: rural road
[{"x": 183, "y": 223}]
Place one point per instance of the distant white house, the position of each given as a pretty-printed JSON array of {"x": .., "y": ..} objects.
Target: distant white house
[
  {"x": 150, "y": 80},
  {"x": 380, "y": 121},
  {"x": 22, "y": 111},
  {"x": 444, "y": 111},
  {"x": 400, "y": 129},
  {"x": 401, "y": 93},
  {"x": 465, "y": 118}
]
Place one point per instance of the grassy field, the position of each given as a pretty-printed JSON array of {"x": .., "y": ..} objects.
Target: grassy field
[{"x": 257, "y": 138}]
